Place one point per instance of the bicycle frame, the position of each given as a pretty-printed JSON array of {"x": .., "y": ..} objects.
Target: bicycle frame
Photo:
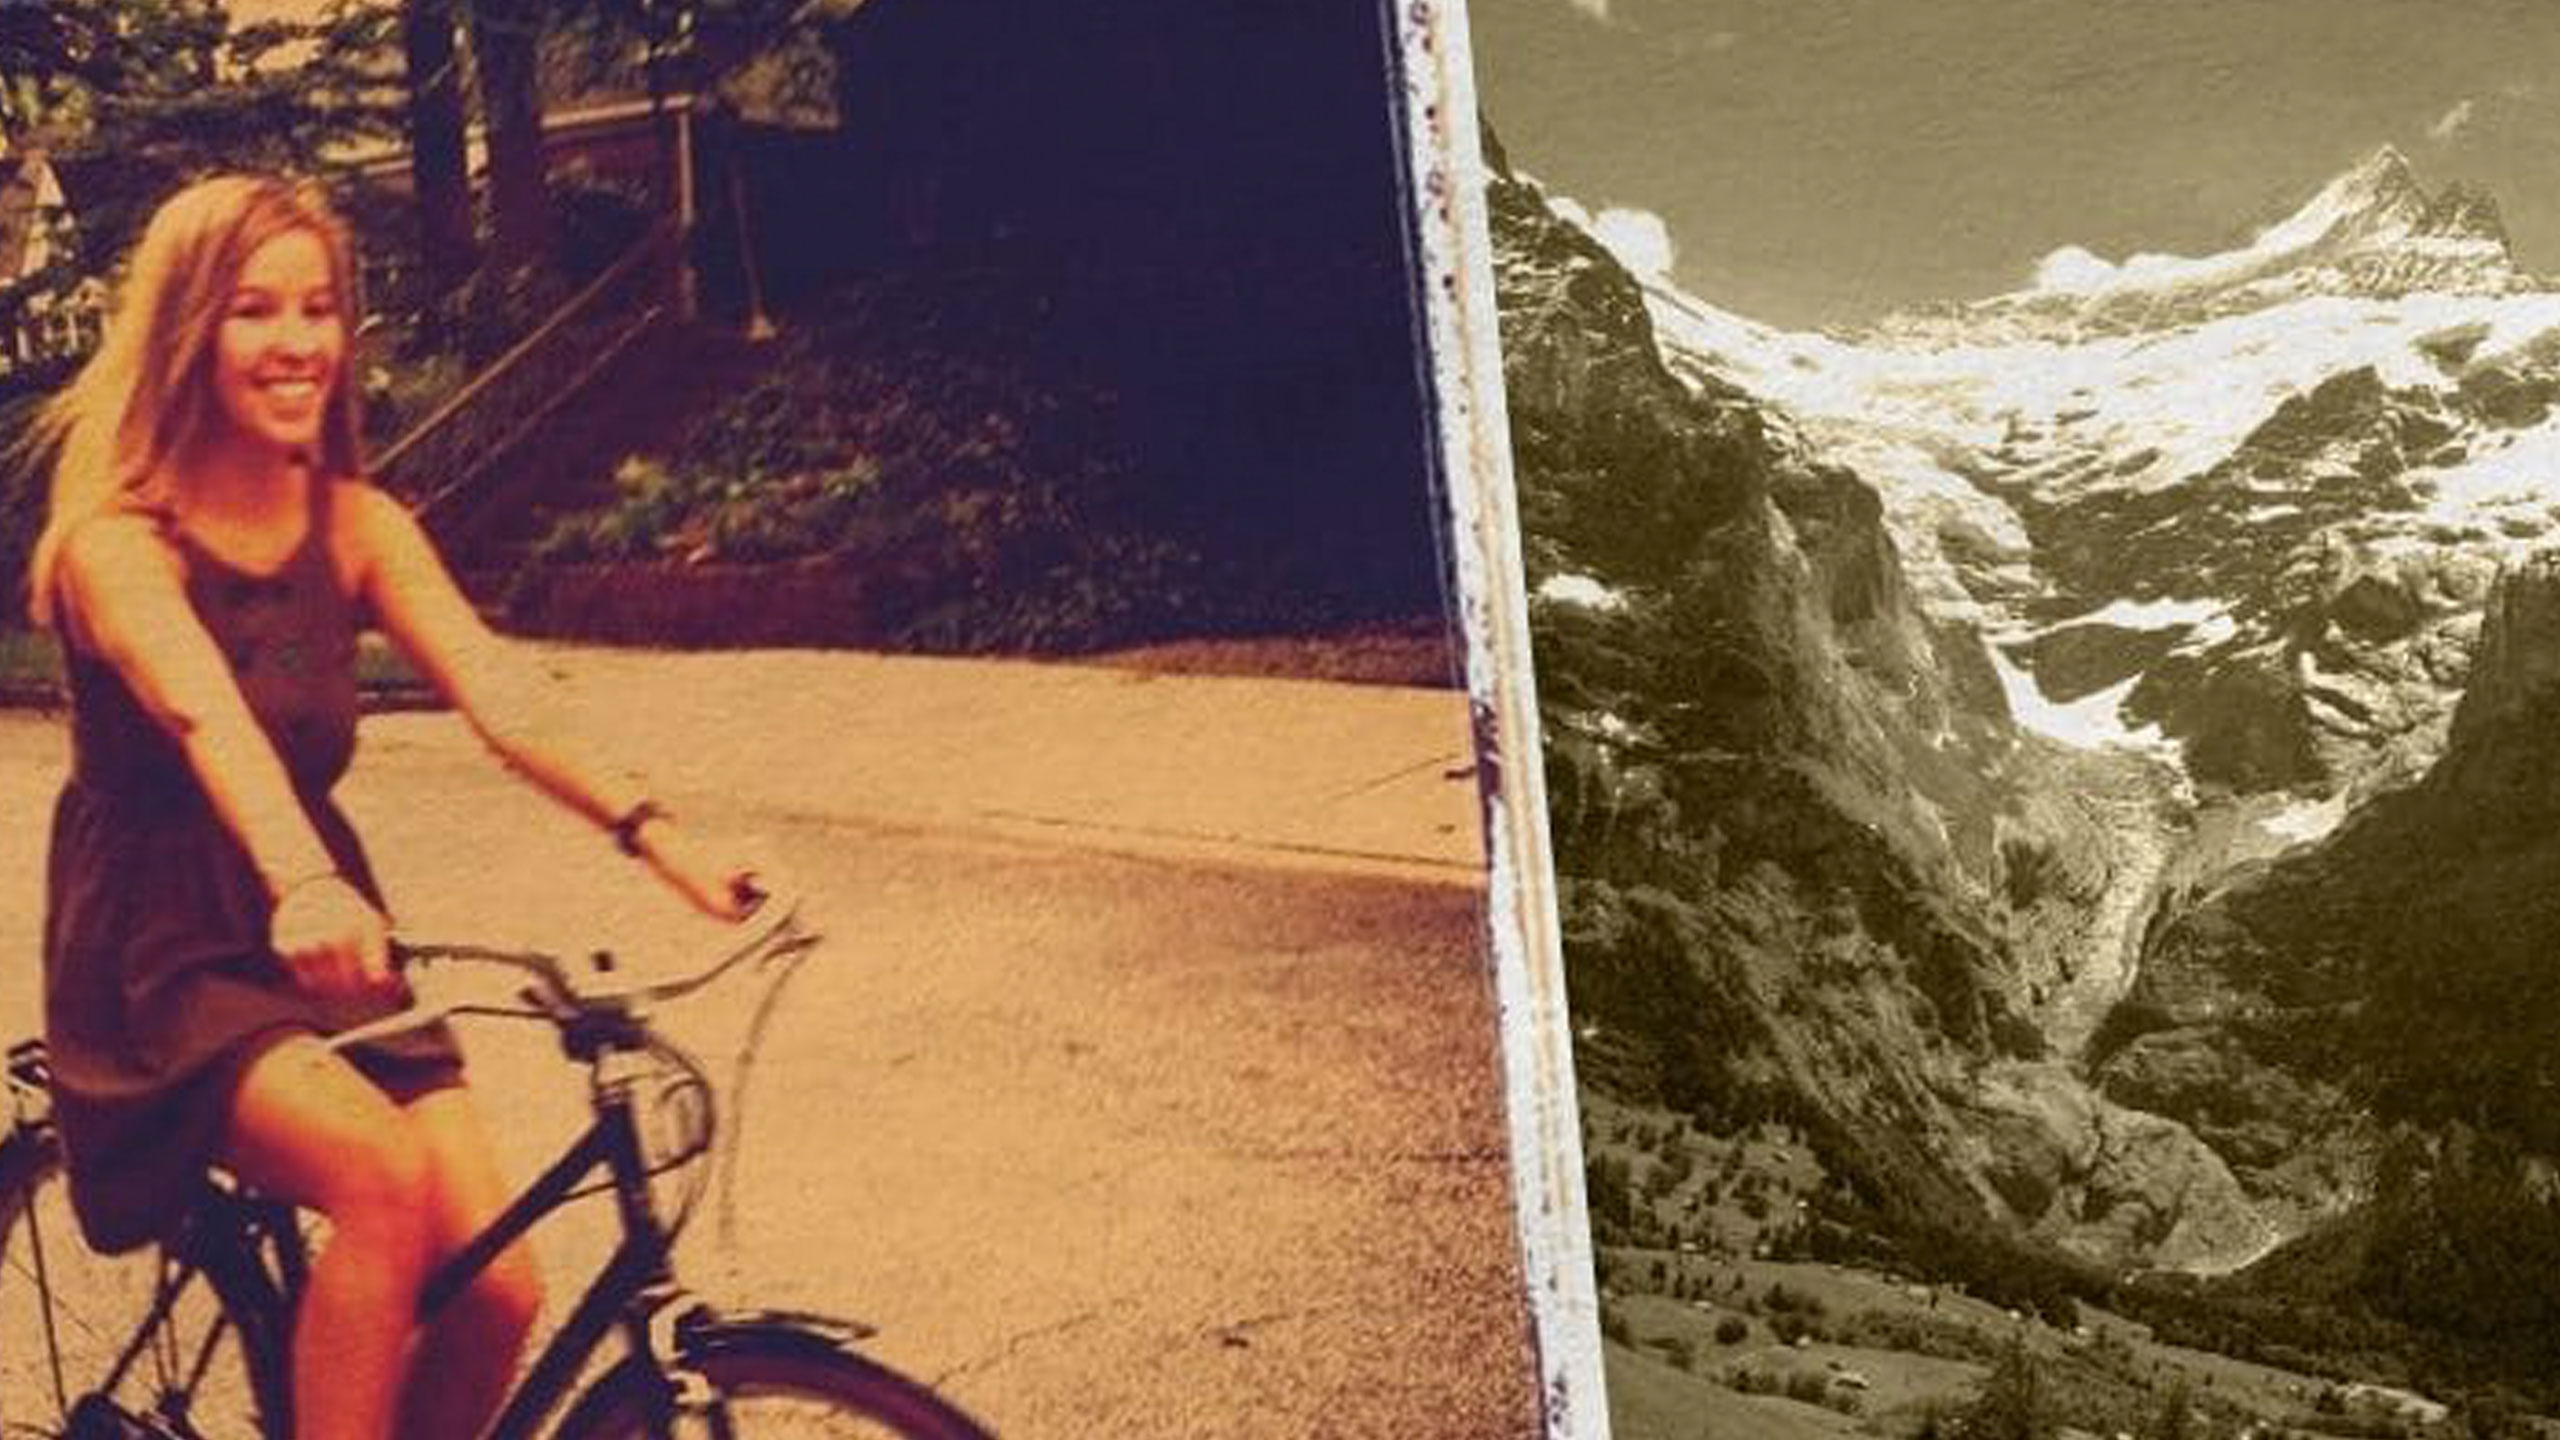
[{"x": 636, "y": 1285}]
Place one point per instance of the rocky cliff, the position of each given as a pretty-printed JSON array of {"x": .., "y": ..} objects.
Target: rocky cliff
[
  {"x": 1809, "y": 865},
  {"x": 2364, "y": 1025}
]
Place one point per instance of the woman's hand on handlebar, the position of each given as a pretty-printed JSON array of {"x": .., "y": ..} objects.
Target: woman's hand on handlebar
[
  {"x": 721, "y": 891},
  {"x": 332, "y": 939}
]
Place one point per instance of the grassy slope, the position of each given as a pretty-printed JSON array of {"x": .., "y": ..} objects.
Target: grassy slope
[{"x": 1921, "y": 1347}]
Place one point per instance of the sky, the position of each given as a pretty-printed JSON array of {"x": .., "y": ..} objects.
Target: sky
[{"x": 1808, "y": 162}]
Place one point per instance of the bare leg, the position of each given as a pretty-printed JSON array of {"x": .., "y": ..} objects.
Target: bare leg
[
  {"x": 468, "y": 1354},
  {"x": 308, "y": 1127}
]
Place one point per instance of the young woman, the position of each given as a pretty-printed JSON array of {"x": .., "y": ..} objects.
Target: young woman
[{"x": 210, "y": 554}]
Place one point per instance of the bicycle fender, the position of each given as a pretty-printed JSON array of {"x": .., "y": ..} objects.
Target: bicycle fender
[
  {"x": 703, "y": 1334},
  {"x": 701, "y": 1330}
]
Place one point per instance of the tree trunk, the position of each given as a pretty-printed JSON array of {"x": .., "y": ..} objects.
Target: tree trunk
[
  {"x": 506, "y": 35},
  {"x": 439, "y": 164}
]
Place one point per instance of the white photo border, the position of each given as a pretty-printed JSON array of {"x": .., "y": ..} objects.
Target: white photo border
[{"x": 1446, "y": 199}]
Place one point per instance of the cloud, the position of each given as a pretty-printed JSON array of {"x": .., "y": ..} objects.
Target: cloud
[
  {"x": 2451, "y": 123},
  {"x": 2075, "y": 271},
  {"x": 1638, "y": 238}
]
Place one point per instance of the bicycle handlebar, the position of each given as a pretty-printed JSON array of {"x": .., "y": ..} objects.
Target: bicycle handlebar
[{"x": 553, "y": 996}]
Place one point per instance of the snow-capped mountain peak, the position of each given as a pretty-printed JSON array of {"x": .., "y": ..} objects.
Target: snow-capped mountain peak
[
  {"x": 2377, "y": 211},
  {"x": 2378, "y": 197},
  {"x": 2373, "y": 231}
]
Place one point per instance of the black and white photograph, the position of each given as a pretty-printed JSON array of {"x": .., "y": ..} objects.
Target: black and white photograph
[{"x": 2037, "y": 524}]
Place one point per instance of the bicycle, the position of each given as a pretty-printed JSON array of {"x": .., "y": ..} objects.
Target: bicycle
[{"x": 208, "y": 1357}]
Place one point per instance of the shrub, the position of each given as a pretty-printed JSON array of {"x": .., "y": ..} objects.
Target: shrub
[
  {"x": 1782, "y": 1300},
  {"x": 747, "y": 514},
  {"x": 998, "y": 505},
  {"x": 1732, "y": 1330},
  {"x": 1604, "y": 1183},
  {"x": 2176, "y": 1418}
]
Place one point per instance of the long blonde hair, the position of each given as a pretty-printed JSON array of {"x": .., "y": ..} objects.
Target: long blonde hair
[{"x": 147, "y": 395}]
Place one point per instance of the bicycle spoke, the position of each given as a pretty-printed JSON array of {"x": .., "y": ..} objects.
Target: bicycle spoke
[
  {"x": 207, "y": 1350},
  {"x": 44, "y": 1289},
  {"x": 144, "y": 1331}
]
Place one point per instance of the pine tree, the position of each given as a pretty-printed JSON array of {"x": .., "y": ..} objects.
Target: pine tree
[
  {"x": 2176, "y": 1418},
  {"x": 138, "y": 96},
  {"x": 2013, "y": 1403}
]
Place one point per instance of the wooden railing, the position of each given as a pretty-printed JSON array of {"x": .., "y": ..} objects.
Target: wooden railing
[{"x": 445, "y": 463}]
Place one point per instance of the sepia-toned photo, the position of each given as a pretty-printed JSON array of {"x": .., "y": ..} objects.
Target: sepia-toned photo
[
  {"x": 755, "y": 717},
  {"x": 2036, "y": 522}
]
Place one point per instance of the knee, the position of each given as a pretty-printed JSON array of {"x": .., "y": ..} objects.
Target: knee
[{"x": 382, "y": 1186}]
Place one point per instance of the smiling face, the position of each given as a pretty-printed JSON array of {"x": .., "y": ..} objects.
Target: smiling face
[{"x": 281, "y": 343}]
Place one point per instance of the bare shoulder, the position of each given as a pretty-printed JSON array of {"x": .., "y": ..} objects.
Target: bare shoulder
[
  {"x": 368, "y": 525},
  {"x": 361, "y": 511},
  {"x": 117, "y": 547},
  {"x": 113, "y": 571}
]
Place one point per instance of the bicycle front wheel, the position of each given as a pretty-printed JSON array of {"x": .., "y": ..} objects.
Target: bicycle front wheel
[
  {"x": 105, "y": 1336},
  {"x": 778, "y": 1383}
]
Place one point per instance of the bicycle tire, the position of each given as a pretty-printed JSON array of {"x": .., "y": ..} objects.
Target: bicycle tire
[
  {"x": 59, "y": 1300},
  {"x": 774, "y": 1380}
]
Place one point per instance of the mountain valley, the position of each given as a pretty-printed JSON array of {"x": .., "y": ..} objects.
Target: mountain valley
[{"x": 2073, "y": 765}]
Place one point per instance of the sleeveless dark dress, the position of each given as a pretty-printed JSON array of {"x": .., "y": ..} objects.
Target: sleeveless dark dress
[{"x": 160, "y": 985}]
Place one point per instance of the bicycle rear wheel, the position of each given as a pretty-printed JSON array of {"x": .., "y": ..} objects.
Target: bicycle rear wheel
[
  {"x": 75, "y": 1326},
  {"x": 776, "y": 1384}
]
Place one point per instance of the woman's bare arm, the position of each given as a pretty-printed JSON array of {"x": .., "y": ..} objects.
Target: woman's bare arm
[
  {"x": 126, "y": 599},
  {"x": 509, "y": 700}
]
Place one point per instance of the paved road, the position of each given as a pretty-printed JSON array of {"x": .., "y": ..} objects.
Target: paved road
[{"x": 1149, "y": 1084}]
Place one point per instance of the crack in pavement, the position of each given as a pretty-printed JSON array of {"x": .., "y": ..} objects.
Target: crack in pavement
[
  {"x": 1465, "y": 871},
  {"x": 1012, "y": 1345},
  {"x": 1453, "y": 765},
  {"x": 1237, "y": 1334},
  {"x": 1480, "y": 1156}
]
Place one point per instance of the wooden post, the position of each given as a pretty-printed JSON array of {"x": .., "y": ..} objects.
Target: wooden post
[
  {"x": 759, "y": 324},
  {"x": 688, "y": 283}
]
